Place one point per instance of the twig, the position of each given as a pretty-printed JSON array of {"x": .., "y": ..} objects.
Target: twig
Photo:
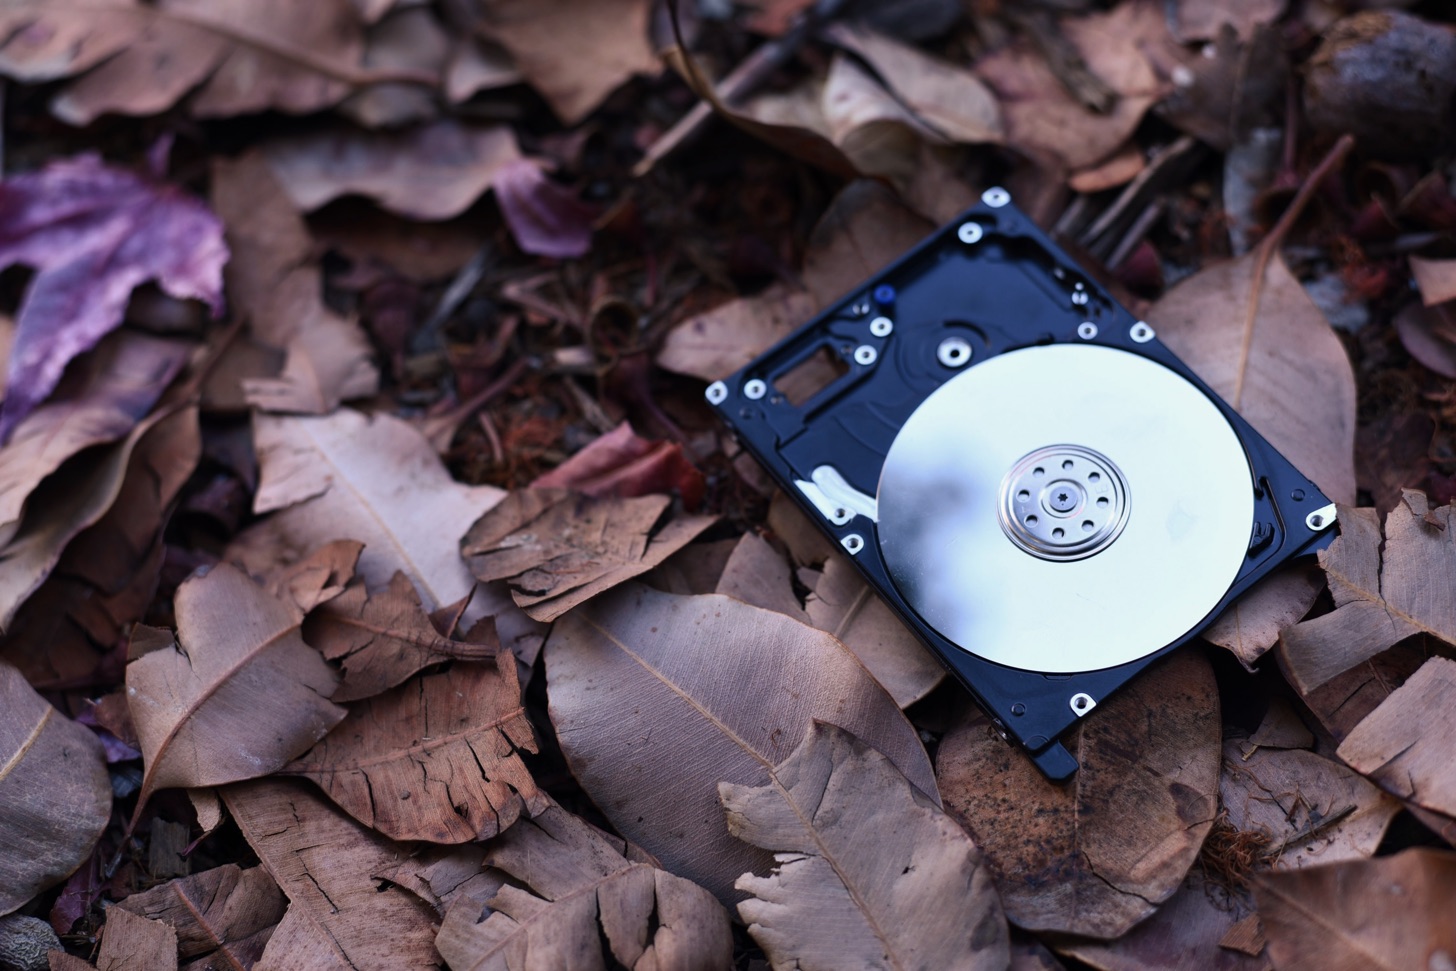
[
  {"x": 1269, "y": 245},
  {"x": 427, "y": 338}
]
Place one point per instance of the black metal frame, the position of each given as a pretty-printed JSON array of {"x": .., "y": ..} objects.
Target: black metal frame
[{"x": 1009, "y": 287}]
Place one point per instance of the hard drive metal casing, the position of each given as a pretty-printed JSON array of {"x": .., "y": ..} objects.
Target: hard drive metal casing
[{"x": 988, "y": 285}]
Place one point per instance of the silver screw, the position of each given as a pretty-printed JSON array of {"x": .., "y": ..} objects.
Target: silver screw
[
  {"x": 996, "y": 197},
  {"x": 1141, "y": 332},
  {"x": 865, "y": 355},
  {"x": 754, "y": 389},
  {"x": 854, "y": 542},
  {"x": 953, "y": 352},
  {"x": 1082, "y": 703},
  {"x": 1086, "y": 330},
  {"x": 717, "y": 393},
  {"x": 881, "y": 326},
  {"x": 970, "y": 233}
]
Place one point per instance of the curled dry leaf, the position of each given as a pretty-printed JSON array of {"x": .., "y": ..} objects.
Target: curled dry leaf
[
  {"x": 691, "y": 691},
  {"x": 1429, "y": 334},
  {"x": 383, "y": 639},
  {"x": 714, "y": 344},
  {"x": 1405, "y": 744},
  {"x": 436, "y": 759},
  {"x": 571, "y": 888},
  {"x": 1312, "y": 809},
  {"x": 574, "y": 52},
  {"x": 443, "y": 874},
  {"x": 237, "y": 696},
  {"x": 545, "y": 217},
  {"x": 1436, "y": 279},
  {"x": 558, "y": 548},
  {"x": 94, "y": 233},
  {"x": 623, "y": 463},
  {"x": 1248, "y": 328},
  {"x": 1195, "y": 20},
  {"x": 1387, "y": 914},
  {"x": 224, "y": 915},
  {"x": 129, "y": 942},
  {"x": 340, "y": 917},
  {"x": 107, "y": 574},
  {"x": 845, "y": 606},
  {"x": 100, "y": 400},
  {"x": 317, "y": 578},
  {"x": 142, "y": 58},
  {"x": 1385, "y": 589},
  {"x": 274, "y": 281},
  {"x": 869, "y": 873},
  {"x": 432, "y": 172},
  {"x": 55, "y": 797},
  {"x": 77, "y": 497},
  {"x": 1098, "y": 855}
]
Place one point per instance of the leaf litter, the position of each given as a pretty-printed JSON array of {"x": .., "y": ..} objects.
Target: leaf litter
[{"x": 551, "y": 242}]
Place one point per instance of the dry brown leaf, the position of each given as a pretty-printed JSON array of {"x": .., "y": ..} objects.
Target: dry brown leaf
[
  {"x": 845, "y": 606},
  {"x": 951, "y": 101},
  {"x": 1436, "y": 279},
  {"x": 1195, "y": 20},
  {"x": 55, "y": 795},
  {"x": 1044, "y": 121},
  {"x": 714, "y": 344},
  {"x": 411, "y": 40},
  {"x": 864, "y": 229},
  {"x": 381, "y": 640},
  {"x": 1405, "y": 745},
  {"x": 142, "y": 58},
  {"x": 557, "y": 548},
  {"x": 433, "y": 172},
  {"x": 1267, "y": 350},
  {"x": 574, "y": 896},
  {"x": 574, "y": 52},
  {"x": 105, "y": 579},
  {"x": 1429, "y": 334},
  {"x": 129, "y": 942},
  {"x": 690, "y": 691},
  {"x": 1388, "y": 914},
  {"x": 441, "y": 875},
  {"x": 273, "y": 280},
  {"x": 869, "y": 873},
  {"x": 436, "y": 759},
  {"x": 102, "y": 397},
  {"x": 237, "y": 696},
  {"x": 317, "y": 578},
  {"x": 1098, "y": 855},
  {"x": 1280, "y": 728},
  {"x": 807, "y": 544},
  {"x": 77, "y": 497},
  {"x": 340, "y": 918},
  {"x": 224, "y": 915},
  {"x": 756, "y": 574},
  {"x": 793, "y": 125},
  {"x": 1384, "y": 590},
  {"x": 1313, "y": 809},
  {"x": 1188, "y": 931},
  {"x": 376, "y": 480}
]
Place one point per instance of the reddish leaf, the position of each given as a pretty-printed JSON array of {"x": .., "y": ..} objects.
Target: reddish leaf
[
  {"x": 545, "y": 217},
  {"x": 624, "y": 464},
  {"x": 93, "y": 233}
]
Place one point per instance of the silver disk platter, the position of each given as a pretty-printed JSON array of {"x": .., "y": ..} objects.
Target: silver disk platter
[{"x": 1039, "y": 488}]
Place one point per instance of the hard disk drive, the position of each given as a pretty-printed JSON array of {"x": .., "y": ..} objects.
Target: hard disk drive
[{"x": 1035, "y": 484}]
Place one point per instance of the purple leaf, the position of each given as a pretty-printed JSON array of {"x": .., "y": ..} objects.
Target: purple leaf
[
  {"x": 94, "y": 233},
  {"x": 546, "y": 219}
]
